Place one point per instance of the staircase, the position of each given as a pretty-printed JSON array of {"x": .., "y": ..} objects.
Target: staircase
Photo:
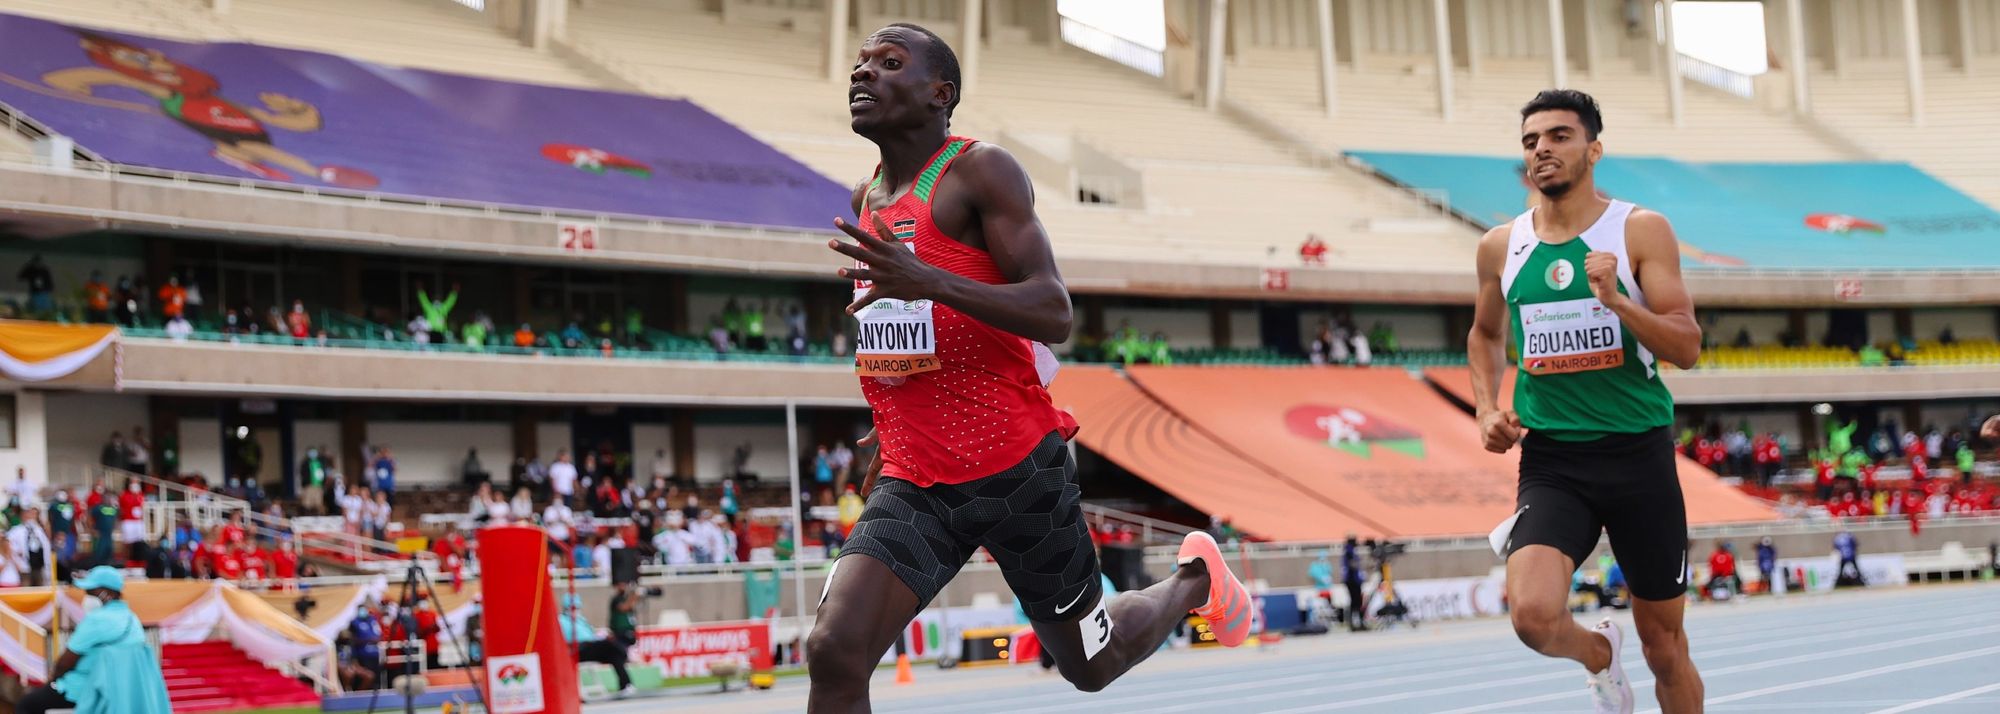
[{"x": 215, "y": 676}]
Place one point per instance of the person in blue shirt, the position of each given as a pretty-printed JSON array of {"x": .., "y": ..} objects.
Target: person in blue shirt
[
  {"x": 1767, "y": 562},
  {"x": 1850, "y": 568},
  {"x": 592, "y": 647},
  {"x": 385, "y": 474},
  {"x": 1351, "y": 575},
  {"x": 106, "y": 666},
  {"x": 365, "y": 640}
]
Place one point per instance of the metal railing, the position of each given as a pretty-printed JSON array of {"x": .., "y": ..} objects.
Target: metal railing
[
  {"x": 1112, "y": 47},
  {"x": 1148, "y": 529},
  {"x": 1717, "y": 76}
]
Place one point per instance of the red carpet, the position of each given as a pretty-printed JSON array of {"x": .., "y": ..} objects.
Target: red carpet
[{"x": 216, "y": 677}]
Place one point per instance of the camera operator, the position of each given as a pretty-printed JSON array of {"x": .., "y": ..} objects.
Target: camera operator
[{"x": 624, "y": 619}]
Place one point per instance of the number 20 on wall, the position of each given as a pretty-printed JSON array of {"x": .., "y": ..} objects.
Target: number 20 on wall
[{"x": 574, "y": 236}]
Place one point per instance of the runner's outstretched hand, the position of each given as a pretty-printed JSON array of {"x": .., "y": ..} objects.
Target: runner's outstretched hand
[{"x": 894, "y": 270}]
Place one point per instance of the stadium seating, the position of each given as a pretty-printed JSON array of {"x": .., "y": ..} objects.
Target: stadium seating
[
  {"x": 422, "y": 35},
  {"x": 1394, "y": 107},
  {"x": 1776, "y": 357},
  {"x": 1932, "y": 353},
  {"x": 1867, "y": 103},
  {"x": 168, "y": 18}
]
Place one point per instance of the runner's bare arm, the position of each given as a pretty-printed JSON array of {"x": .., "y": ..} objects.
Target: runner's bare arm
[
  {"x": 1486, "y": 345},
  {"x": 1666, "y": 325},
  {"x": 1033, "y": 303}
]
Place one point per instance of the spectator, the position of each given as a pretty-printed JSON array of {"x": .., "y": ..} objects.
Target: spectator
[
  {"x": 132, "y": 520},
  {"x": 591, "y": 647},
  {"x": 1351, "y": 577},
  {"x": 522, "y": 507},
  {"x": 125, "y": 305},
  {"x": 623, "y": 618},
  {"x": 525, "y": 337},
  {"x": 299, "y": 322},
  {"x": 606, "y": 348},
  {"x": 104, "y": 519},
  {"x": 1850, "y": 568},
  {"x": 96, "y": 298},
  {"x": 139, "y": 453},
  {"x": 1737, "y": 445},
  {"x": 839, "y": 344},
  {"x": 365, "y": 640},
  {"x": 419, "y": 328},
  {"x": 62, "y": 525},
  {"x": 21, "y": 493},
  {"x": 232, "y": 532},
  {"x": 1322, "y": 345},
  {"x": 471, "y": 472},
  {"x": 178, "y": 329},
  {"x": 1362, "y": 352},
  {"x": 1382, "y": 337},
  {"x": 573, "y": 336},
  {"x": 480, "y": 508},
  {"x": 354, "y": 509},
  {"x": 173, "y": 299},
  {"x": 115, "y": 453},
  {"x": 718, "y": 336},
  {"x": 635, "y": 325},
  {"x": 1967, "y": 459},
  {"x": 600, "y": 554},
  {"x": 28, "y": 543},
  {"x": 563, "y": 477},
  {"x": 1722, "y": 571},
  {"x": 475, "y": 332},
  {"x": 106, "y": 666},
  {"x": 384, "y": 470},
  {"x": 674, "y": 544},
  {"x": 41, "y": 286},
  {"x": 609, "y": 501},
  {"x": 378, "y": 516},
  {"x": 1767, "y": 563},
  {"x": 822, "y": 468},
  {"x": 438, "y": 314},
  {"x": 729, "y": 502},
  {"x": 560, "y": 521},
  {"x": 1765, "y": 452},
  {"x": 662, "y": 467}
]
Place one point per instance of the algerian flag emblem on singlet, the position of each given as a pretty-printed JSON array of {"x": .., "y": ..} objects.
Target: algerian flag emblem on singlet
[{"x": 1561, "y": 274}]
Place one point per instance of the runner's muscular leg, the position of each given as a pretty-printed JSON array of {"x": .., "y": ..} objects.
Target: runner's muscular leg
[
  {"x": 1105, "y": 640},
  {"x": 1538, "y": 600},
  {"x": 1665, "y": 643},
  {"x": 865, "y": 608}
]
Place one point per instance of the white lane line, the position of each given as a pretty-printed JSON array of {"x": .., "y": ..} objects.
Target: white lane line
[
  {"x": 1321, "y": 672},
  {"x": 1952, "y": 697},
  {"x": 1849, "y": 676},
  {"x": 1751, "y": 667}
]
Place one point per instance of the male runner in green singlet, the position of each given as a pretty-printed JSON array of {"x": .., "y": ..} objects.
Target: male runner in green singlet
[{"x": 1590, "y": 291}]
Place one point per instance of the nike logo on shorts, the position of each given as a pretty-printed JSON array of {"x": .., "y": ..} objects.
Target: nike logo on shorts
[{"x": 1072, "y": 603}]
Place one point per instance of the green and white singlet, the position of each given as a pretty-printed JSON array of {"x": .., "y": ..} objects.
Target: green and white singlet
[{"x": 1582, "y": 373}]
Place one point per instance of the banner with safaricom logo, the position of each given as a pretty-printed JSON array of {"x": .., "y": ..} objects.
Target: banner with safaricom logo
[{"x": 688, "y": 651}]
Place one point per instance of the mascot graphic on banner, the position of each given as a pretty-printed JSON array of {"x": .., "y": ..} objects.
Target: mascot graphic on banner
[{"x": 192, "y": 98}]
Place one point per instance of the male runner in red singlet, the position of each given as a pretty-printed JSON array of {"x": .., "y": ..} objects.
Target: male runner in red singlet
[{"x": 955, "y": 289}]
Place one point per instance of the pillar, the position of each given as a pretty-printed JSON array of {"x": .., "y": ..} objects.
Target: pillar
[
  {"x": 1093, "y": 317},
  {"x": 163, "y": 427},
  {"x": 1218, "y": 325},
  {"x": 838, "y": 62},
  {"x": 1218, "y": 21},
  {"x": 682, "y": 436},
  {"x": 1904, "y": 322},
  {"x": 1323, "y": 17},
  {"x": 969, "y": 20},
  {"x": 1795, "y": 323},
  {"x": 1558, "y": 46},
  {"x": 1795, "y": 53},
  {"x": 353, "y": 432},
  {"x": 674, "y": 306},
  {"x": 1671, "y": 58},
  {"x": 543, "y": 22},
  {"x": 350, "y": 286},
  {"x": 526, "y": 446},
  {"x": 1913, "y": 61},
  {"x": 1357, "y": 34},
  {"x": 1475, "y": 46},
  {"x": 1838, "y": 20},
  {"x": 1589, "y": 40},
  {"x": 1965, "y": 46},
  {"x": 1441, "y": 41}
]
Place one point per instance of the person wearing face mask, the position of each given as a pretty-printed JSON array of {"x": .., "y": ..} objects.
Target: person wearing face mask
[
  {"x": 62, "y": 522},
  {"x": 132, "y": 520},
  {"x": 106, "y": 665}
]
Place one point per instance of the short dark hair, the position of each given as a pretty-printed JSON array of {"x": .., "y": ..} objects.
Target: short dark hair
[
  {"x": 1572, "y": 100},
  {"x": 941, "y": 59}
]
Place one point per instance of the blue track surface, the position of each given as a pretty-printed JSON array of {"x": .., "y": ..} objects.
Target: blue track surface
[{"x": 1931, "y": 649}]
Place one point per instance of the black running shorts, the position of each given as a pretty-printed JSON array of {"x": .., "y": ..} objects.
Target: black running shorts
[
  {"x": 1028, "y": 518},
  {"x": 1622, "y": 485}
]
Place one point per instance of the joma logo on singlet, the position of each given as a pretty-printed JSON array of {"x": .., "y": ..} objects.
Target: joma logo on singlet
[{"x": 895, "y": 337}]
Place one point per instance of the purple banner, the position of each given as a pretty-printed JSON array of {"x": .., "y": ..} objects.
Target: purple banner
[{"x": 234, "y": 109}]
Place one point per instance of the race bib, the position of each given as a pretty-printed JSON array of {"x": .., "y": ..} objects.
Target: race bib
[
  {"x": 896, "y": 339},
  {"x": 1570, "y": 336}
]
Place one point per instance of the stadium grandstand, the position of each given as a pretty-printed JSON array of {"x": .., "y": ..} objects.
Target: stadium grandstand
[{"x": 314, "y": 302}]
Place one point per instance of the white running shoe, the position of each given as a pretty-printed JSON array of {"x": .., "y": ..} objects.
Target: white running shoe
[{"x": 1610, "y": 692}]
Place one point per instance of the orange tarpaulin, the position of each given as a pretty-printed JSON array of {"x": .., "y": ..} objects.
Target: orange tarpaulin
[
  {"x": 1126, "y": 426},
  {"x": 1708, "y": 499},
  {"x": 1377, "y": 441}
]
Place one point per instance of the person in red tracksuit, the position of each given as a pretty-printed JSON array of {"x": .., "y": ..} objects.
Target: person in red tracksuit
[
  {"x": 1722, "y": 569},
  {"x": 1823, "y": 479},
  {"x": 132, "y": 519}
]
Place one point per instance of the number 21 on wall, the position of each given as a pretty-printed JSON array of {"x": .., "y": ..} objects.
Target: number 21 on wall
[{"x": 575, "y": 236}]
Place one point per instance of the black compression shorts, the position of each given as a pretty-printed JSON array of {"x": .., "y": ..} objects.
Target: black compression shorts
[
  {"x": 1623, "y": 485},
  {"x": 1028, "y": 518}
]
